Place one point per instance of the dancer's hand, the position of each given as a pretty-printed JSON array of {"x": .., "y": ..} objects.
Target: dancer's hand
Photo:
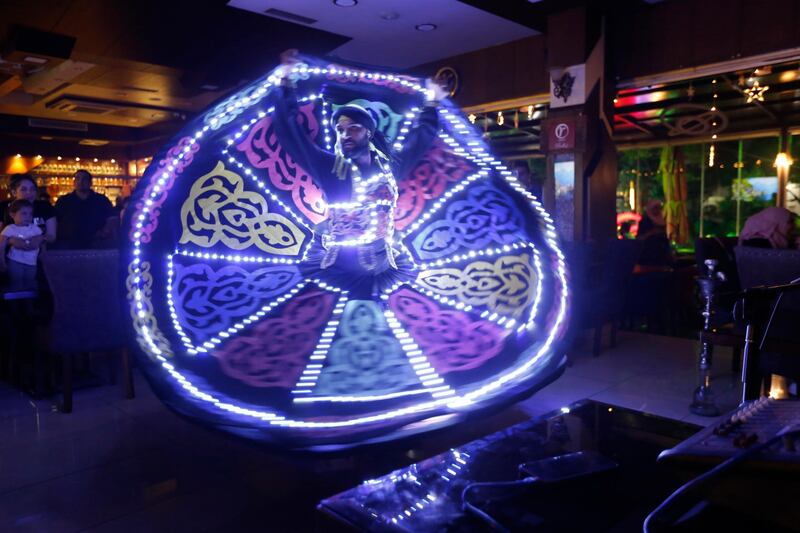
[
  {"x": 289, "y": 57},
  {"x": 434, "y": 91},
  {"x": 288, "y": 60}
]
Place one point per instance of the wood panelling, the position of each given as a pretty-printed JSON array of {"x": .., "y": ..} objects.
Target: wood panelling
[{"x": 501, "y": 72}]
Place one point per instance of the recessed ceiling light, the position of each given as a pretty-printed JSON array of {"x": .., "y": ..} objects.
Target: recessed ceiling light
[
  {"x": 345, "y": 3},
  {"x": 389, "y": 15},
  {"x": 425, "y": 27}
]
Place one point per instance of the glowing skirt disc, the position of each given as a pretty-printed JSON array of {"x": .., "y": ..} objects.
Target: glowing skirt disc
[{"x": 241, "y": 327}]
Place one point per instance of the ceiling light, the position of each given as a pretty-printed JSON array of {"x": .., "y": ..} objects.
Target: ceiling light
[
  {"x": 390, "y": 15},
  {"x": 345, "y": 3},
  {"x": 425, "y": 27}
]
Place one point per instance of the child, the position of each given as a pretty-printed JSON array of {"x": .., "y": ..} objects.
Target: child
[{"x": 21, "y": 264}]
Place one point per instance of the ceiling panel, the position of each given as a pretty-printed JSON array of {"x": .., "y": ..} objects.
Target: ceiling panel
[{"x": 383, "y": 33}]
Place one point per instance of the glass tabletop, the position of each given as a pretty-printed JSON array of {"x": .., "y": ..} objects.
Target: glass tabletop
[{"x": 427, "y": 496}]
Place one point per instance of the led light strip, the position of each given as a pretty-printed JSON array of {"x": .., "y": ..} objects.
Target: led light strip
[
  {"x": 454, "y": 469},
  {"x": 419, "y": 362},
  {"x": 261, "y": 114},
  {"x": 399, "y": 142},
  {"x": 326, "y": 123},
  {"x": 474, "y": 254},
  {"x": 537, "y": 299},
  {"x": 407, "y": 252},
  {"x": 499, "y": 319},
  {"x": 250, "y": 174},
  {"x": 367, "y": 398},
  {"x": 481, "y": 174},
  {"x": 477, "y": 151},
  {"x": 237, "y": 258},
  {"x": 311, "y": 372},
  {"x": 212, "y": 343},
  {"x": 537, "y": 263}
]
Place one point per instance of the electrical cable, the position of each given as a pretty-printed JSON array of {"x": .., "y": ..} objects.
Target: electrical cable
[
  {"x": 483, "y": 515},
  {"x": 772, "y": 315},
  {"x": 653, "y": 517}
]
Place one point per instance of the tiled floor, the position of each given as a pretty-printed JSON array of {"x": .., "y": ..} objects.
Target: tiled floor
[
  {"x": 132, "y": 465},
  {"x": 648, "y": 373}
]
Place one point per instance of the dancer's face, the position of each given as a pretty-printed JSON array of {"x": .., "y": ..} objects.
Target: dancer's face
[{"x": 352, "y": 137}]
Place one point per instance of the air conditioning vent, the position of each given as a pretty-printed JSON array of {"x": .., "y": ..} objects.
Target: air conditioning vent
[
  {"x": 57, "y": 124},
  {"x": 75, "y": 105},
  {"x": 140, "y": 89},
  {"x": 285, "y": 15}
]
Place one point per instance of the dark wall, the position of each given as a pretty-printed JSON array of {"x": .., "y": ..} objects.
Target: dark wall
[
  {"x": 501, "y": 72},
  {"x": 680, "y": 34},
  {"x": 642, "y": 39}
]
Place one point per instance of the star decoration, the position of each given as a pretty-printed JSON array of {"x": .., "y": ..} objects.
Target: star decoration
[{"x": 756, "y": 92}]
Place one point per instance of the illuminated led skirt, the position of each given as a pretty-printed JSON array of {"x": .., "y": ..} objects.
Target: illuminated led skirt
[{"x": 238, "y": 326}]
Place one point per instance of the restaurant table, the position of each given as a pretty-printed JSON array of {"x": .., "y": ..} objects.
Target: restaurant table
[{"x": 427, "y": 496}]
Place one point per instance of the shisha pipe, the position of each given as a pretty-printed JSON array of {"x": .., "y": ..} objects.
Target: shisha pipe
[{"x": 703, "y": 400}]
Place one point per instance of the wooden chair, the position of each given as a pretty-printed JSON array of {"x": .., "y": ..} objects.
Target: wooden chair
[{"x": 87, "y": 311}]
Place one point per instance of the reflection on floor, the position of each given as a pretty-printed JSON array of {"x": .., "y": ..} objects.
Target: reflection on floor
[
  {"x": 649, "y": 373},
  {"x": 131, "y": 465}
]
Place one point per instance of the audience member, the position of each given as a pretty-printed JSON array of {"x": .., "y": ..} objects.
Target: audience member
[
  {"x": 85, "y": 217},
  {"x": 525, "y": 177},
  {"x": 772, "y": 227},
  {"x": 656, "y": 249},
  {"x": 523, "y": 172},
  {"x": 23, "y": 187},
  {"x": 120, "y": 205},
  {"x": 21, "y": 263}
]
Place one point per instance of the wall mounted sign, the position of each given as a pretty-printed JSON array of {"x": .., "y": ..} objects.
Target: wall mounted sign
[
  {"x": 568, "y": 86},
  {"x": 560, "y": 134}
]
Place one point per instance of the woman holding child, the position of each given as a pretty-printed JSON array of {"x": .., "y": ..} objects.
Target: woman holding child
[{"x": 26, "y": 225}]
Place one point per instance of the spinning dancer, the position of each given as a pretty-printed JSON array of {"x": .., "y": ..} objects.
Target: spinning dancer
[
  {"x": 293, "y": 279},
  {"x": 355, "y": 244}
]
